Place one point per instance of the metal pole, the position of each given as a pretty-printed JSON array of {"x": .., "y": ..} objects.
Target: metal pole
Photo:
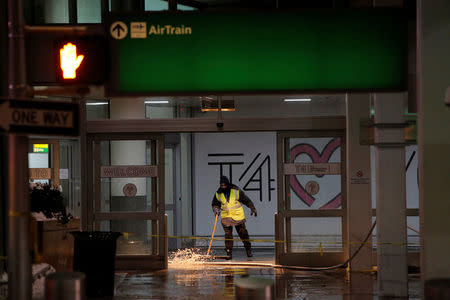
[
  {"x": 19, "y": 264},
  {"x": 3, "y": 139},
  {"x": 16, "y": 68}
]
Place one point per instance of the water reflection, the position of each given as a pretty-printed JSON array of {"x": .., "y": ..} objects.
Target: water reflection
[{"x": 190, "y": 277}]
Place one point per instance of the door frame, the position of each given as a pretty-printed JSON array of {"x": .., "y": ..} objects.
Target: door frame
[
  {"x": 283, "y": 217},
  {"x": 92, "y": 204}
]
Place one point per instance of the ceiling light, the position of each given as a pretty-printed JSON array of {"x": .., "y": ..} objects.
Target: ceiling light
[
  {"x": 97, "y": 103},
  {"x": 298, "y": 100},
  {"x": 156, "y": 101}
]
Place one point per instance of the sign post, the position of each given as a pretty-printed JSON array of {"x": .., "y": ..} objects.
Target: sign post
[{"x": 19, "y": 118}]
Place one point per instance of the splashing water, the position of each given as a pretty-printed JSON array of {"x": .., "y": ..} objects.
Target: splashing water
[{"x": 188, "y": 257}]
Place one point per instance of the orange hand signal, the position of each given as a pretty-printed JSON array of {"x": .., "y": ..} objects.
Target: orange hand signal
[{"x": 70, "y": 61}]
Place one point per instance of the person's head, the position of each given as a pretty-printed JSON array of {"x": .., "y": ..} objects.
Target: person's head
[{"x": 224, "y": 183}]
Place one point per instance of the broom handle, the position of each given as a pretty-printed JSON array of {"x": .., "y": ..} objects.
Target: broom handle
[{"x": 212, "y": 236}]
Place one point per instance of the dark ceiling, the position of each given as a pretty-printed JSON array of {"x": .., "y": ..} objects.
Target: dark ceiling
[{"x": 283, "y": 4}]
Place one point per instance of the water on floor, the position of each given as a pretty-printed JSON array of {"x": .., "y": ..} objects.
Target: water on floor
[{"x": 193, "y": 275}]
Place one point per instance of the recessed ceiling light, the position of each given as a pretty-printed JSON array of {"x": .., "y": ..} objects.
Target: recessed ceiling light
[
  {"x": 298, "y": 100},
  {"x": 156, "y": 101},
  {"x": 97, "y": 103}
]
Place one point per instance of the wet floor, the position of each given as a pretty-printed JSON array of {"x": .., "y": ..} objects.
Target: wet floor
[{"x": 189, "y": 277}]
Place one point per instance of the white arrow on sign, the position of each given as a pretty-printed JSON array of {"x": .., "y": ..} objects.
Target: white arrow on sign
[{"x": 5, "y": 116}]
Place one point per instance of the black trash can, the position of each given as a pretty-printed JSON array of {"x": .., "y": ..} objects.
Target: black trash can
[{"x": 94, "y": 255}]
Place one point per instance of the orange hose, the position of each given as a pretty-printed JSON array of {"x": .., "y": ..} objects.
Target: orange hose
[{"x": 212, "y": 236}]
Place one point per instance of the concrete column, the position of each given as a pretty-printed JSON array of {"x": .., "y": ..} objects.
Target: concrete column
[
  {"x": 391, "y": 196},
  {"x": 433, "y": 72},
  {"x": 359, "y": 205}
]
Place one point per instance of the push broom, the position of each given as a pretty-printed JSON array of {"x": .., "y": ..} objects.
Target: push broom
[{"x": 212, "y": 236}]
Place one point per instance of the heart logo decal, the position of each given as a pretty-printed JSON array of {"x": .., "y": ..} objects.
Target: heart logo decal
[{"x": 316, "y": 157}]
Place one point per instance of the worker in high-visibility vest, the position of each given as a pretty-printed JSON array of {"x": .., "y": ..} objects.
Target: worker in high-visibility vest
[{"x": 228, "y": 202}]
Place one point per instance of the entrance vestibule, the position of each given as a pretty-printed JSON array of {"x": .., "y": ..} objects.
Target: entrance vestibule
[{"x": 183, "y": 127}]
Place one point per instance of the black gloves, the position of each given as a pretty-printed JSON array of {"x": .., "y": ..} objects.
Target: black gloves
[
  {"x": 253, "y": 212},
  {"x": 216, "y": 210}
]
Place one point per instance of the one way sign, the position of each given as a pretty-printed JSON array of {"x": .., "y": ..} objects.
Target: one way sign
[{"x": 39, "y": 117}]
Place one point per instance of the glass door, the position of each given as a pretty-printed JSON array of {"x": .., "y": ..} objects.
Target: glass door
[
  {"x": 172, "y": 192},
  {"x": 127, "y": 196},
  {"x": 311, "y": 219}
]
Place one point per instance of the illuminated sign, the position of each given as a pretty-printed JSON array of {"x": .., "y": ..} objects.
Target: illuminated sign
[
  {"x": 63, "y": 58},
  {"x": 40, "y": 148},
  {"x": 257, "y": 52},
  {"x": 70, "y": 61}
]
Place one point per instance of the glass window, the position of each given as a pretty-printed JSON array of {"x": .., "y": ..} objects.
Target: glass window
[
  {"x": 136, "y": 238},
  {"x": 249, "y": 106},
  {"x": 285, "y": 106},
  {"x": 56, "y": 11},
  {"x": 97, "y": 109},
  {"x": 126, "y": 194},
  {"x": 185, "y": 7},
  {"x": 179, "y": 107},
  {"x": 156, "y": 5},
  {"x": 168, "y": 174},
  {"x": 89, "y": 11},
  {"x": 316, "y": 234},
  {"x": 186, "y": 185},
  {"x": 69, "y": 174},
  {"x": 318, "y": 191},
  {"x": 413, "y": 232}
]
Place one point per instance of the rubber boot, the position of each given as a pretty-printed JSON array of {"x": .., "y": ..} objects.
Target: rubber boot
[
  {"x": 249, "y": 252},
  {"x": 229, "y": 254}
]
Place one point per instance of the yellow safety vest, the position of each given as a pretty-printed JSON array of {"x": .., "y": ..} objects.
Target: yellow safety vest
[{"x": 232, "y": 208}]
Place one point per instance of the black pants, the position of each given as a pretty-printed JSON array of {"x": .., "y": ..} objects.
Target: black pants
[{"x": 243, "y": 234}]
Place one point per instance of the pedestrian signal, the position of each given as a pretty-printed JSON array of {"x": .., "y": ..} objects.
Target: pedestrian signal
[
  {"x": 70, "y": 61},
  {"x": 66, "y": 57},
  {"x": 80, "y": 60}
]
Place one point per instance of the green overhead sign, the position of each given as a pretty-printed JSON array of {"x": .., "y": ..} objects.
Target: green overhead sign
[{"x": 313, "y": 50}]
